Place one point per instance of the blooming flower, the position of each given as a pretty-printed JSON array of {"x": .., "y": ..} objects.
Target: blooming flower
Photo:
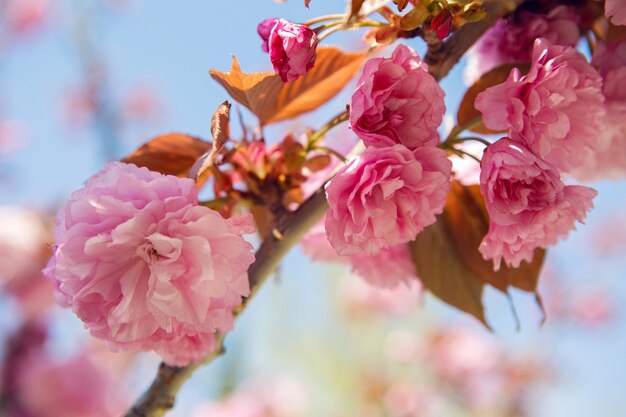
[
  {"x": 556, "y": 110},
  {"x": 146, "y": 268},
  {"x": 291, "y": 48},
  {"x": 528, "y": 204},
  {"x": 511, "y": 39},
  {"x": 397, "y": 101},
  {"x": 616, "y": 10},
  {"x": 385, "y": 198}
]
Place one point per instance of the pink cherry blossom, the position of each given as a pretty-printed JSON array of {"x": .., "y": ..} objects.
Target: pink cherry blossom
[
  {"x": 291, "y": 48},
  {"x": 616, "y": 10},
  {"x": 397, "y": 101},
  {"x": 556, "y": 110},
  {"x": 146, "y": 268},
  {"x": 528, "y": 204},
  {"x": 385, "y": 198},
  {"x": 609, "y": 162},
  {"x": 511, "y": 39},
  {"x": 264, "y": 29}
]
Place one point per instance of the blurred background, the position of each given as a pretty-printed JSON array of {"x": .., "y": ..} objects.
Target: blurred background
[{"x": 83, "y": 82}]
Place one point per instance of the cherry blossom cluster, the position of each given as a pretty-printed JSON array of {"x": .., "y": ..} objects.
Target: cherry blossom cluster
[{"x": 394, "y": 189}]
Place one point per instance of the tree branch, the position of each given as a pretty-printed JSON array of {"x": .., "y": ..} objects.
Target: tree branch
[
  {"x": 291, "y": 226},
  {"x": 441, "y": 57}
]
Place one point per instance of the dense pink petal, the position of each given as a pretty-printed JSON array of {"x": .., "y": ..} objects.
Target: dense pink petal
[
  {"x": 556, "y": 110},
  {"x": 528, "y": 204},
  {"x": 511, "y": 39},
  {"x": 397, "y": 101},
  {"x": 385, "y": 198},
  {"x": 145, "y": 267}
]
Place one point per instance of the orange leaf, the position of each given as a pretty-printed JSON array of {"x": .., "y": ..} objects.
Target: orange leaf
[
  {"x": 271, "y": 100},
  {"x": 498, "y": 75},
  {"x": 257, "y": 91},
  {"x": 171, "y": 154}
]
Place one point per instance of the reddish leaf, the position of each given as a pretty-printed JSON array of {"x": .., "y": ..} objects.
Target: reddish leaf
[
  {"x": 469, "y": 222},
  {"x": 272, "y": 101},
  {"x": 467, "y": 111},
  {"x": 171, "y": 154},
  {"x": 449, "y": 263},
  {"x": 443, "y": 273}
]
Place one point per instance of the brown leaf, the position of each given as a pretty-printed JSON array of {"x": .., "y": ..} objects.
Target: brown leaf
[
  {"x": 468, "y": 220},
  {"x": 171, "y": 154},
  {"x": 498, "y": 75},
  {"x": 220, "y": 130},
  {"x": 317, "y": 163},
  {"x": 443, "y": 273},
  {"x": 449, "y": 263},
  {"x": 355, "y": 8},
  {"x": 263, "y": 218},
  {"x": 220, "y": 126},
  {"x": 272, "y": 101}
]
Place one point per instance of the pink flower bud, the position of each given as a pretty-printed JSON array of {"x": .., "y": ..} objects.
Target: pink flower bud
[
  {"x": 292, "y": 49},
  {"x": 264, "y": 29}
]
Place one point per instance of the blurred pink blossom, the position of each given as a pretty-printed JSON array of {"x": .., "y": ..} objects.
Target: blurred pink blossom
[
  {"x": 511, "y": 40},
  {"x": 359, "y": 297},
  {"x": 593, "y": 306},
  {"x": 609, "y": 162},
  {"x": 79, "y": 387},
  {"x": 142, "y": 104},
  {"x": 146, "y": 268},
  {"x": 24, "y": 239},
  {"x": 556, "y": 110},
  {"x": 24, "y": 17},
  {"x": 275, "y": 396}
]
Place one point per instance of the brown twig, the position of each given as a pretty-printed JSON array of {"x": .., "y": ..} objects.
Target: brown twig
[{"x": 160, "y": 396}]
